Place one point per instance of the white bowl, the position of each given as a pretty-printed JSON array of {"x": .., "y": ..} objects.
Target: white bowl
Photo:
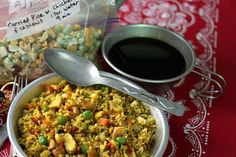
[{"x": 36, "y": 87}]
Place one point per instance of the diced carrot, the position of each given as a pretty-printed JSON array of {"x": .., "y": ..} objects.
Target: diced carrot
[
  {"x": 51, "y": 131},
  {"x": 31, "y": 105},
  {"x": 109, "y": 145},
  {"x": 129, "y": 120},
  {"x": 103, "y": 121},
  {"x": 35, "y": 119},
  {"x": 45, "y": 121}
]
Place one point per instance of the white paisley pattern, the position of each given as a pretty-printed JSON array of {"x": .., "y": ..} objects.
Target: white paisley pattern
[
  {"x": 180, "y": 16},
  {"x": 197, "y": 128},
  {"x": 4, "y": 153},
  {"x": 166, "y": 13},
  {"x": 174, "y": 147}
]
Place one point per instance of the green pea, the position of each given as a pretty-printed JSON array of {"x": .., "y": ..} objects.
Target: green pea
[
  {"x": 97, "y": 34},
  {"x": 91, "y": 48},
  {"x": 79, "y": 53},
  {"x": 43, "y": 140},
  {"x": 25, "y": 58},
  {"x": 58, "y": 28},
  {"x": 68, "y": 38},
  {"x": 87, "y": 114},
  {"x": 62, "y": 119},
  {"x": 84, "y": 126},
  {"x": 90, "y": 57},
  {"x": 82, "y": 48},
  {"x": 73, "y": 41},
  {"x": 79, "y": 35},
  {"x": 10, "y": 56},
  {"x": 104, "y": 89},
  {"x": 66, "y": 43},
  {"x": 15, "y": 61},
  {"x": 62, "y": 42},
  {"x": 97, "y": 44},
  {"x": 120, "y": 140},
  {"x": 81, "y": 41},
  {"x": 84, "y": 148},
  {"x": 68, "y": 28},
  {"x": 127, "y": 105},
  {"x": 45, "y": 108}
]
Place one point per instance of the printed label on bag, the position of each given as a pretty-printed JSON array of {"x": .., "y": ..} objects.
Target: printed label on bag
[
  {"x": 16, "y": 5},
  {"x": 42, "y": 20}
]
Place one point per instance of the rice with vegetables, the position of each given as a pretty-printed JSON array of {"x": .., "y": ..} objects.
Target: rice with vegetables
[{"x": 66, "y": 120}]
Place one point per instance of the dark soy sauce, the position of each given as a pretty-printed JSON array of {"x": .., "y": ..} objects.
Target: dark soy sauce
[{"x": 147, "y": 58}]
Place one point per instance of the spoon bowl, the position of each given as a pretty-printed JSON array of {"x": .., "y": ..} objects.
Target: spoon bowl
[
  {"x": 67, "y": 66},
  {"x": 82, "y": 72}
]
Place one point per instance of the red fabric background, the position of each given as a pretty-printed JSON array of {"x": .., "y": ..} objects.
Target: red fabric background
[{"x": 223, "y": 135}]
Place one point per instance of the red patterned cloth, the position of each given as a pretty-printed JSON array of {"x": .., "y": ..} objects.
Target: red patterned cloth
[{"x": 207, "y": 128}]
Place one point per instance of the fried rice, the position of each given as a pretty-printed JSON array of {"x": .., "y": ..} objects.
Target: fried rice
[{"x": 70, "y": 121}]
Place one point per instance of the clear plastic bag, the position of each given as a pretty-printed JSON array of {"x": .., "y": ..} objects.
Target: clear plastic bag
[{"x": 28, "y": 27}]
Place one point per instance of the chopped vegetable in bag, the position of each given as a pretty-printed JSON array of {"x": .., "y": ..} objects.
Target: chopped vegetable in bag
[{"x": 28, "y": 29}]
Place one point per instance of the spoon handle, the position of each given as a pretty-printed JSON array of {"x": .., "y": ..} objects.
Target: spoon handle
[{"x": 149, "y": 98}]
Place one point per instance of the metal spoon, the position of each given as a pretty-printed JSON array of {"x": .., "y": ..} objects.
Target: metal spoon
[{"x": 82, "y": 72}]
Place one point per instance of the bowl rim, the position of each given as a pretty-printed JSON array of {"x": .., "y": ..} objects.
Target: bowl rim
[{"x": 13, "y": 138}]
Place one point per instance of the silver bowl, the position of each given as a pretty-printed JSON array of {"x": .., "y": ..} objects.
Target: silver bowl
[
  {"x": 173, "y": 39},
  {"x": 36, "y": 87},
  {"x": 151, "y": 32}
]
